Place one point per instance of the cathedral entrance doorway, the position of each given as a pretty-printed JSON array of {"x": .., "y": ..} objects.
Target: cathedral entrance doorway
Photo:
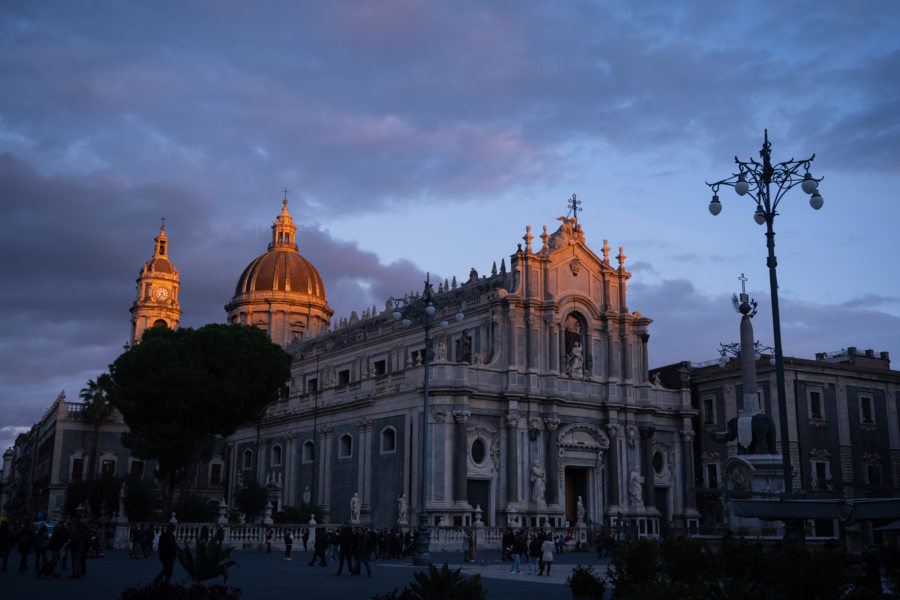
[
  {"x": 576, "y": 485},
  {"x": 478, "y": 493}
]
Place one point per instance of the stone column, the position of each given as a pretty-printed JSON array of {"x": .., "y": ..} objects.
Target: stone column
[
  {"x": 290, "y": 476},
  {"x": 646, "y": 432},
  {"x": 614, "y": 430},
  {"x": 364, "y": 472},
  {"x": 461, "y": 454},
  {"x": 323, "y": 490},
  {"x": 687, "y": 468},
  {"x": 551, "y": 424},
  {"x": 512, "y": 457}
]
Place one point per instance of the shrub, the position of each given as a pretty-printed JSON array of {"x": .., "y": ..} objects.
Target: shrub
[
  {"x": 195, "y": 509},
  {"x": 208, "y": 562},
  {"x": 251, "y": 499},
  {"x": 584, "y": 581}
]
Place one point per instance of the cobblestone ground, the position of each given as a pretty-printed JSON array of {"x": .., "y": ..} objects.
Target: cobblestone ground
[{"x": 270, "y": 577}]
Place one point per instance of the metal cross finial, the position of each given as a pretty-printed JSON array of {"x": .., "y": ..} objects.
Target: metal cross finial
[
  {"x": 574, "y": 206},
  {"x": 164, "y": 223},
  {"x": 285, "y": 190},
  {"x": 743, "y": 280}
]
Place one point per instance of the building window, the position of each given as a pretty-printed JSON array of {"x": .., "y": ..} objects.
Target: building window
[
  {"x": 215, "y": 473},
  {"x": 866, "y": 409},
  {"x": 709, "y": 411},
  {"x": 312, "y": 385},
  {"x": 873, "y": 472},
  {"x": 344, "y": 377},
  {"x": 137, "y": 468},
  {"x": 276, "y": 456},
  {"x": 248, "y": 459},
  {"x": 712, "y": 475},
  {"x": 77, "y": 469},
  {"x": 816, "y": 410},
  {"x": 108, "y": 467},
  {"x": 345, "y": 446},
  {"x": 478, "y": 451},
  {"x": 309, "y": 451},
  {"x": 388, "y": 440},
  {"x": 379, "y": 367},
  {"x": 821, "y": 471}
]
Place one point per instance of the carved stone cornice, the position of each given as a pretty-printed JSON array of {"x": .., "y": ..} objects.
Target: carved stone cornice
[
  {"x": 512, "y": 420},
  {"x": 462, "y": 416},
  {"x": 439, "y": 415},
  {"x": 551, "y": 423},
  {"x": 614, "y": 430}
]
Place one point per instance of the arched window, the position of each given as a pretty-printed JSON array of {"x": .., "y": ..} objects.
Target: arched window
[
  {"x": 309, "y": 451},
  {"x": 345, "y": 446},
  {"x": 247, "y": 461},
  {"x": 388, "y": 440},
  {"x": 276, "y": 455}
]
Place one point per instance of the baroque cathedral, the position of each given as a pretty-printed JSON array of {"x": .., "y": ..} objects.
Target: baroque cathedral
[{"x": 540, "y": 407}]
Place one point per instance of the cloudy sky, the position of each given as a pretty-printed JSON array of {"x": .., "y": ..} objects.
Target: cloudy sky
[{"x": 420, "y": 136}]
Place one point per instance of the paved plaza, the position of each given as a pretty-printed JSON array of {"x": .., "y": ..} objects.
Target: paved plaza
[{"x": 270, "y": 577}]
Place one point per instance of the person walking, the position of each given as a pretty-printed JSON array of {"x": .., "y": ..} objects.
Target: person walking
[
  {"x": 40, "y": 545},
  {"x": 465, "y": 545},
  {"x": 361, "y": 551},
  {"x": 24, "y": 541},
  {"x": 268, "y": 540},
  {"x": 78, "y": 546},
  {"x": 345, "y": 540},
  {"x": 166, "y": 549},
  {"x": 288, "y": 543},
  {"x": 546, "y": 555},
  {"x": 7, "y": 541},
  {"x": 534, "y": 554},
  {"x": 515, "y": 551},
  {"x": 305, "y": 537},
  {"x": 319, "y": 548}
]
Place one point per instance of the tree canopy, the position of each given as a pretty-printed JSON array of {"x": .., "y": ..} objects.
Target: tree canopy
[{"x": 178, "y": 390}]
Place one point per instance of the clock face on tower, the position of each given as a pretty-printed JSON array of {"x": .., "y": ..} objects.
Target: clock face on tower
[{"x": 161, "y": 294}]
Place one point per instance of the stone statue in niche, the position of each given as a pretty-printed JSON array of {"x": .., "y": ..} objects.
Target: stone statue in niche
[
  {"x": 574, "y": 348},
  {"x": 402, "y": 509},
  {"x": 442, "y": 349},
  {"x": 579, "y": 510},
  {"x": 636, "y": 488},
  {"x": 465, "y": 348},
  {"x": 539, "y": 481},
  {"x": 575, "y": 361},
  {"x": 355, "y": 507}
]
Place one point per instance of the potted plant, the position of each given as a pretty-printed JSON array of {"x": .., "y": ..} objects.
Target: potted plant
[{"x": 586, "y": 584}]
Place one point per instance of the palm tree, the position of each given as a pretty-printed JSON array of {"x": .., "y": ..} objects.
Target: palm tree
[{"x": 95, "y": 411}]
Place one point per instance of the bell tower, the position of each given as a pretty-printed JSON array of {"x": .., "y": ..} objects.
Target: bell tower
[{"x": 157, "y": 292}]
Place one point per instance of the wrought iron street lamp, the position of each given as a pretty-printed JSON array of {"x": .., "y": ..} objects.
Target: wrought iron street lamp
[
  {"x": 424, "y": 306},
  {"x": 767, "y": 184}
]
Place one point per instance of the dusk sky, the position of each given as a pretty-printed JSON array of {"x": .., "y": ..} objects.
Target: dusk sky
[{"x": 423, "y": 136}]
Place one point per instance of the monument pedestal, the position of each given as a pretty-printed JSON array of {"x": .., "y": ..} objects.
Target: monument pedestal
[{"x": 752, "y": 476}]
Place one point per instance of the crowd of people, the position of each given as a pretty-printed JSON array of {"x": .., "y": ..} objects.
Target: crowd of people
[
  {"x": 536, "y": 549},
  {"x": 350, "y": 545},
  {"x": 55, "y": 547}
]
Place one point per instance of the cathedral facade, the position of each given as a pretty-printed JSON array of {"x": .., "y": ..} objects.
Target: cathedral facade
[{"x": 538, "y": 397}]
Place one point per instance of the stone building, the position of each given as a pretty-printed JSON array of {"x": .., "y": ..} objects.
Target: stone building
[
  {"x": 539, "y": 395},
  {"x": 843, "y": 423}
]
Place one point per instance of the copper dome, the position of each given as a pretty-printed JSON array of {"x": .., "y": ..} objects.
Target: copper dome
[{"x": 281, "y": 270}]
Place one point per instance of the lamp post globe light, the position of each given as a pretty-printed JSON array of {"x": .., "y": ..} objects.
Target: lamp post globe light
[
  {"x": 766, "y": 184},
  {"x": 406, "y": 310}
]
